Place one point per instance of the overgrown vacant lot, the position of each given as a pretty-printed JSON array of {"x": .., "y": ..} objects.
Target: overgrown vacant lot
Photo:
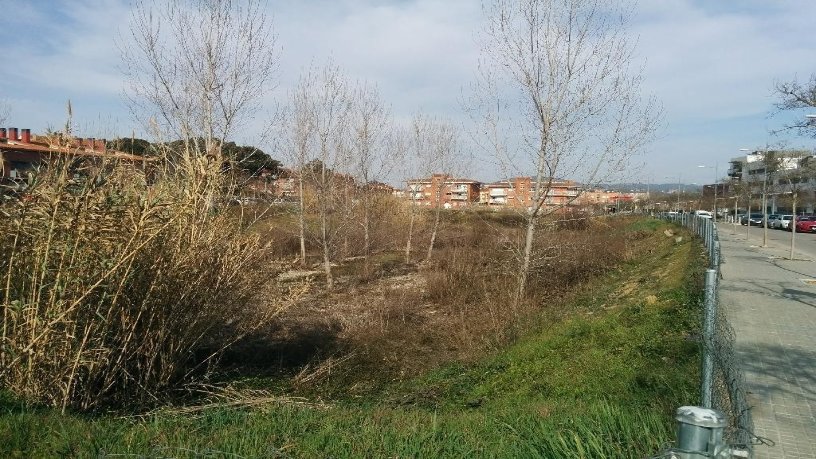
[{"x": 434, "y": 360}]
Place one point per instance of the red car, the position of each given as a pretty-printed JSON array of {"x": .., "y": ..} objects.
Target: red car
[{"x": 806, "y": 224}]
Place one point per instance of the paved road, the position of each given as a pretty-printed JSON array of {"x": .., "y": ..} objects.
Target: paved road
[
  {"x": 772, "y": 307},
  {"x": 805, "y": 242}
]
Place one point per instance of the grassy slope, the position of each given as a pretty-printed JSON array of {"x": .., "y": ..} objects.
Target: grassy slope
[{"x": 602, "y": 383}]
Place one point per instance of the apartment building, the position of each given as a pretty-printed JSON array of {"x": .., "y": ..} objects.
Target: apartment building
[
  {"x": 752, "y": 168},
  {"x": 513, "y": 193},
  {"x": 443, "y": 190},
  {"x": 792, "y": 169},
  {"x": 518, "y": 192}
]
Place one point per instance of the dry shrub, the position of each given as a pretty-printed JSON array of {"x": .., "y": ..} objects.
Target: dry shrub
[
  {"x": 113, "y": 284},
  {"x": 564, "y": 258}
]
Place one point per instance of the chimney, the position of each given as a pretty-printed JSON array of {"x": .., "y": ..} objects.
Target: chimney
[
  {"x": 26, "y": 136},
  {"x": 12, "y": 133},
  {"x": 2, "y": 133}
]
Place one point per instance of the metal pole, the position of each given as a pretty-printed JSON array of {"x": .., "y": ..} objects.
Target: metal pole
[
  {"x": 715, "y": 192},
  {"x": 678, "y": 192},
  {"x": 748, "y": 226},
  {"x": 708, "y": 337},
  {"x": 716, "y": 255},
  {"x": 735, "y": 214},
  {"x": 765, "y": 205},
  {"x": 792, "y": 225}
]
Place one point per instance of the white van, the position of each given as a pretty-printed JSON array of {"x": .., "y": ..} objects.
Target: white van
[{"x": 702, "y": 213}]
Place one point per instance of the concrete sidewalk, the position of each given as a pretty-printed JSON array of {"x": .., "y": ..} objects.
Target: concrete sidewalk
[{"x": 771, "y": 303}]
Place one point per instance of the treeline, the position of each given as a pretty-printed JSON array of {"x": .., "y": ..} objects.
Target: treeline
[{"x": 245, "y": 158}]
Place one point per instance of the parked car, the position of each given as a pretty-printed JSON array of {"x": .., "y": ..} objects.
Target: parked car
[
  {"x": 702, "y": 213},
  {"x": 753, "y": 219},
  {"x": 806, "y": 224},
  {"x": 771, "y": 219},
  {"x": 783, "y": 222}
]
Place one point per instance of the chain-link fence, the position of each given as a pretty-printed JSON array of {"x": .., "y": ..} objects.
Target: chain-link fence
[{"x": 722, "y": 386}]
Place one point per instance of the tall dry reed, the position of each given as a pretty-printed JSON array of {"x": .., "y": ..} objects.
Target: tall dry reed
[{"x": 119, "y": 285}]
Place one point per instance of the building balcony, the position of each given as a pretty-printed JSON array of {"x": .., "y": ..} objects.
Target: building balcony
[{"x": 498, "y": 192}]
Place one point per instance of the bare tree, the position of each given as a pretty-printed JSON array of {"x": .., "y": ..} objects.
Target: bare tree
[
  {"x": 198, "y": 69},
  {"x": 771, "y": 164},
  {"x": 299, "y": 132},
  {"x": 5, "y": 111},
  {"x": 434, "y": 145},
  {"x": 557, "y": 96},
  {"x": 328, "y": 105},
  {"x": 376, "y": 151},
  {"x": 796, "y": 182},
  {"x": 797, "y": 96}
]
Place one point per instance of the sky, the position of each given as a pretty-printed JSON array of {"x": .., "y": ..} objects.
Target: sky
[{"x": 712, "y": 65}]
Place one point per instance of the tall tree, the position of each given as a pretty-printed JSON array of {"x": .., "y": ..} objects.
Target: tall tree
[
  {"x": 434, "y": 147},
  {"x": 796, "y": 182},
  {"x": 299, "y": 126},
  {"x": 326, "y": 112},
  {"x": 197, "y": 70},
  {"x": 375, "y": 151},
  {"x": 557, "y": 96}
]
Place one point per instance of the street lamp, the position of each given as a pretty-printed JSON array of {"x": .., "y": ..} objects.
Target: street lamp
[
  {"x": 764, "y": 195},
  {"x": 716, "y": 179}
]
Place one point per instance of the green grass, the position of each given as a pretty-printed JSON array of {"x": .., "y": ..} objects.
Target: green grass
[{"x": 603, "y": 382}]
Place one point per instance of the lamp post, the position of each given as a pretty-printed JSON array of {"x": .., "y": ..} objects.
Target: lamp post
[
  {"x": 716, "y": 179},
  {"x": 764, "y": 194}
]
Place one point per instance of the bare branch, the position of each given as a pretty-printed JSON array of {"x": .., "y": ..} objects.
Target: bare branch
[
  {"x": 557, "y": 96},
  {"x": 198, "y": 69}
]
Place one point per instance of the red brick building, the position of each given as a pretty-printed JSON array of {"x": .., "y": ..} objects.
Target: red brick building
[
  {"x": 518, "y": 193},
  {"x": 444, "y": 190}
]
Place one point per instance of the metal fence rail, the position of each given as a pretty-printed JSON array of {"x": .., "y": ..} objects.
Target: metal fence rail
[{"x": 722, "y": 386}]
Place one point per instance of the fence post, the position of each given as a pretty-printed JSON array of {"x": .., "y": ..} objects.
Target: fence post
[
  {"x": 704, "y": 233},
  {"x": 709, "y": 318},
  {"x": 715, "y": 259}
]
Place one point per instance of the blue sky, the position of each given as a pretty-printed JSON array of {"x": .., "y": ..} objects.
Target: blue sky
[{"x": 712, "y": 64}]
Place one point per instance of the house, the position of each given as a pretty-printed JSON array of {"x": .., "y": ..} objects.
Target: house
[{"x": 21, "y": 152}]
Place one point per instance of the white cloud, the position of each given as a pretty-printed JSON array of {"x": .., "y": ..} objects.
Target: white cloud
[{"x": 713, "y": 64}]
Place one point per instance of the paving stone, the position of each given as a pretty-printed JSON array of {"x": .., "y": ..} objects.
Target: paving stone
[{"x": 773, "y": 314}]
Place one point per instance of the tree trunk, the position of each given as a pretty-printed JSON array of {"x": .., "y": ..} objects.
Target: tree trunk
[
  {"x": 748, "y": 220},
  {"x": 792, "y": 226},
  {"x": 433, "y": 234},
  {"x": 302, "y": 223},
  {"x": 526, "y": 259},
  {"x": 366, "y": 235},
  {"x": 324, "y": 239},
  {"x": 324, "y": 223},
  {"x": 410, "y": 234}
]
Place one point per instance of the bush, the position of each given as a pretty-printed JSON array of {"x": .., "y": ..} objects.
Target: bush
[{"x": 112, "y": 285}]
